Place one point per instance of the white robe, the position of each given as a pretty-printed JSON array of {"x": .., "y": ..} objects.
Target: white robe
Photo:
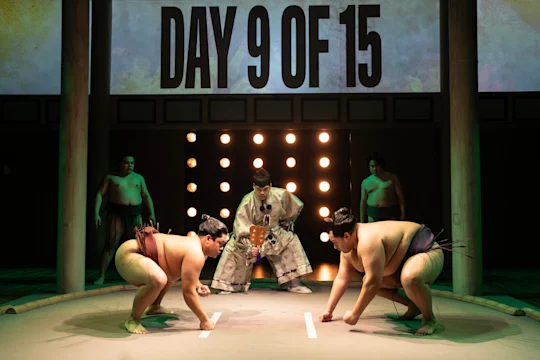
[{"x": 284, "y": 251}]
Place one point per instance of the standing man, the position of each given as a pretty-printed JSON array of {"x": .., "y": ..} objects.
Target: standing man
[
  {"x": 126, "y": 191},
  {"x": 277, "y": 210},
  {"x": 382, "y": 195}
]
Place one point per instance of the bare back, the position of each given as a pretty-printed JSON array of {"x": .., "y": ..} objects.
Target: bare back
[
  {"x": 173, "y": 249},
  {"x": 125, "y": 190},
  {"x": 381, "y": 191},
  {"x": 395, "y": 237}
]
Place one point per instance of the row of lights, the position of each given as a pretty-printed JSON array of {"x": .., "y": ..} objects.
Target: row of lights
[
  {"x": 324, "y": 162},
  {"x": 258, "y": 138}
]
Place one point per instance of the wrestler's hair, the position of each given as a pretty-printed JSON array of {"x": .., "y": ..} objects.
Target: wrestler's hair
[
  {"x": 262, "y": 178},
  {"x": 377, "y": 158},
  {"x": 341, "y": 222},
  {"x": 212, "y": 226},
  {"x": 122, "y": 156}
]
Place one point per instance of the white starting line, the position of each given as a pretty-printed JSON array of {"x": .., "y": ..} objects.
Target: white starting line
[
  {"x": 214, "y": 318},
  {"x": 311, "y": 333},
  {"x": 310, "y": 326}
]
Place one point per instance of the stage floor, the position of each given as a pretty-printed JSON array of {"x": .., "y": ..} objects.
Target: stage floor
[{"x": 264, "y": 324}]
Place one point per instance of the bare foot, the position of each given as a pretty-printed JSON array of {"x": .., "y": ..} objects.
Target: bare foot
[
  {"x": 157, "y": 309},
  {"x": 427, "y": 328},
  {"x": 411, "y": 313},
  {"x": 99, "y": 280},
  {"x": 135, "y": 327}
]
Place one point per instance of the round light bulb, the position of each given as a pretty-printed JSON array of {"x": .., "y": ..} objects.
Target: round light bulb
[
  {"x": 324, "y": 186},
  {"x": 324, "y": 237},
  {"x": 224, "y": 186},
  {"x": 225, "y": 163},
  {"x": 290, "y": 138},
  {"x": 192, "y": 212},
  {"x": 324, "y": 162},
  {"x": 324, "y": 137},
  {"x": 224, "y": 213},
  {"x": 225, "y": 138},
  {"x": 258, "y": 139},
  {"x": 191, "y": 137},
  {"x": 291, "y": 162},
  {"x": 258, "y": 163},
  {"x": 291, "y": 187},
  {"x": 324, "y": 211},
  {"x": 192, "y": 162},
  {"x": 192, "y": 187}
]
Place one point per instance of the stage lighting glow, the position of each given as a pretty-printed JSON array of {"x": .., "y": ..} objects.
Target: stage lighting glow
[
  {"x": 324, "y": 186},
  {"x": 192, "y": 162},
  {"x": 324, "y": 237},
  {"x": 224, "y": 186},
  {"x": 224, "y": 213},
  {"x": 324, "y": 211},
  {"x": 324, "y": 137},
  {"x": 324, "y": 162},
  {"x": 191, "y": 233},
  {"x": 291, "y": 162},
  {"x": 258, "y": 139},
  {"x": 192, "y": 187},
  {"x": 225, "y": 138},
  {"x": 290, "y": 138},
  {"x": 258, "y": 163},
  {"x": 291, "y": 187},
  {"x": 225, "y": 163},
  {"x": 191, "y": 137},
  {"x": 192, "y": 212}
]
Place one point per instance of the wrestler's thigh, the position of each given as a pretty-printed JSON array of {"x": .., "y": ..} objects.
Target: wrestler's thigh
[
  {"x": 425, "y": 267},
  {"x": 137, "y": 269}
]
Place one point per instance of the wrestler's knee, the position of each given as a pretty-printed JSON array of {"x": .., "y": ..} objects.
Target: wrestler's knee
[
  {"x": 409, "y": 278},
  {"x": 157, "y": 280}
]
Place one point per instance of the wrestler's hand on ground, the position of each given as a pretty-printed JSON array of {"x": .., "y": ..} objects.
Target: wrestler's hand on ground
[
  {"x": 254, "y": 251},
  {"x": 207, "y": 325},
  {"x": 203, "y": 290},
  {"x": 98, "y": 221},
  {"x": 325, "y": 316},
  {"x": 350, "y": 318}
]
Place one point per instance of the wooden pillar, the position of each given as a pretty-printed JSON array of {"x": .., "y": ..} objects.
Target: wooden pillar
[
  {"x": 98, "y": 157},
  {"x": 73, "y": 147},
  {"x": 465, "y": 146}
]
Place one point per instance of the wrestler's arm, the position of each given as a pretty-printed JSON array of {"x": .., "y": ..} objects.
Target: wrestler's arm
[
  {"x": 147, "y": 199},
  {"x": 342, "y": 280},
  {"x": 102, "y": 191},
  {"x": 191, "y": 270},
  {"x": 373, "y": 258},
  {"x": 363, "y": 203},
  {"x": 400, "y": 195}
]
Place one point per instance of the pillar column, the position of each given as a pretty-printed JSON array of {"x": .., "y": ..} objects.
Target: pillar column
[
  {"x": 73, "y": 149},
  {"x": 465, "y": 146}
]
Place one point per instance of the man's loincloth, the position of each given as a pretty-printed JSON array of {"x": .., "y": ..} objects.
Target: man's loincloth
[
  {"x": 421, "y": 243},
  {"x": 384, "y": 213},
  {"x": 147, "y": 242},
  {"x": 130, "y": 215}
]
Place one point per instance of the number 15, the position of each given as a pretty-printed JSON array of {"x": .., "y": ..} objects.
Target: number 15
[{"x": 365, "y": 39}]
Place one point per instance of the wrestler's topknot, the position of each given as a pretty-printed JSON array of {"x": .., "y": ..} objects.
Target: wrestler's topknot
[{"x": 342, "y": 221}]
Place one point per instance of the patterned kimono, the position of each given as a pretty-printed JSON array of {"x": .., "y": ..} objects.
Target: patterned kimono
[{"x": 283, "y": 250}]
